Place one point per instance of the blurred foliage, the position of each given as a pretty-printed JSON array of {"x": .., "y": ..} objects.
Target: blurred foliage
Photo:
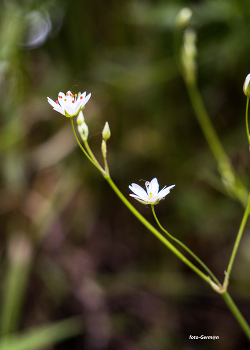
[{"x": 68, "y": 246}]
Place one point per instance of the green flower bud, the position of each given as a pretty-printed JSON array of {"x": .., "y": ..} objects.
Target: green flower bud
[
  {"x": 246, "y": 86},
  {"x": 106, "y": 133},
  {"x": 80, "y": 118},
  {"x": 83, "y": 131},
  {"x": 183, "y": 17},
  {"x": 188, "y": 55},
  {"x": 104, "y": 148}
]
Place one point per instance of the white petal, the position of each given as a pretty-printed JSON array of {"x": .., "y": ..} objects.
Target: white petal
[
  {"x": 153, "y": 187},
  {"x": 139, "y": 199},
  {"x": 69, "y": 93},
  {"x": 70, "y": 106},
  {"x": 84, "y": 100},
  {"x": 63, "y": 102},
  {"x": 154, "y": 200},
  {"x": 51, "y": 102},
  {"x": 62, "y": 96},
  {"x": 56, "y": 106},
  {"x": 139, "y": 191},
  {"x": 165, "y": 191},
  {"x": 71, "y": 110},
  {"x": 59, "y": 109},
  {"x": 87, "y": 98},
  {"x": 83, "y": 95},
  {"x": 247, "y": 81},
  {"x": 78, "y": 104},
  {"x": 147, "y": 183}
]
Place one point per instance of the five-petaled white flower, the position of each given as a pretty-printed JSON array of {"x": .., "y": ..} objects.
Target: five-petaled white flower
[
  {"x": 69, "y": 104},
  {"x": 151, "y": 195}
]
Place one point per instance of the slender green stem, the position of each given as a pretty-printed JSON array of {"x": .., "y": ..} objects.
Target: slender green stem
[
  {"x": 91, "y": 153},
  {"x": 186, "y": 248},
  {"x": 156, "y": 232},
  {"x": 247, "y": 127},
  {"x": 95, "y": 163},
  {"x": 106, "y": 167},
  {"x": 237, "y": 314},
  {"x": 237, "y": 241}
]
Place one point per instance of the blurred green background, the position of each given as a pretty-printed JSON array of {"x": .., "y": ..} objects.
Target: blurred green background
[{"x": 68, "y": 246}]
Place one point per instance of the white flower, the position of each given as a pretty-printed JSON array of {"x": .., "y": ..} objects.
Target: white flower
[
  {"x": 69, "y": 104},
  {"x": 151, "y": 195}
]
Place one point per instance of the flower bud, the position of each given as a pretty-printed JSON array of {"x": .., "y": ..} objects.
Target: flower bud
[
  {"x": 188, "y": 55},
  {"x": 104, "y": 148},
  {"x": 83, "y": 131},
  {"x": 183, "y": 17},
  {"x": 246, "y": 86},
  {"x": 106, "y": 132},
  {"x": 80, "y": 118}
]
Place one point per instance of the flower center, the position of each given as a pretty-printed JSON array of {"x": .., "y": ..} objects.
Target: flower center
[{"x": 150, "y": 196}]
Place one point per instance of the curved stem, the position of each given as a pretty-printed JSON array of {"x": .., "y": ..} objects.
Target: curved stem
[
  {"x": 237, "y": 314},
  {"x": 186, "y": 248},
  {"x": 156, "y": 232},
  {"x": 205, "y": 123},
  {"x": 230, "y": 180}
]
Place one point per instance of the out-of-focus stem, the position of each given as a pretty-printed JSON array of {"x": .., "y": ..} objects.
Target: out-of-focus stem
[
  {"x": 20, "y": 255},
  {"x": 230, "y": 180}
]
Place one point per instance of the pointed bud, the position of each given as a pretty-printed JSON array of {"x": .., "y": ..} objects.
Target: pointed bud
[
  {"x": 83, "y": 131},
  {"x": 106, "y": 132},
  {"x": 246, "y": 86},
  {"x": 188, "y": 55},
  {"x": 104, "y": 148},
  {"x": 183, "y": 17},
  {"x": 80, "y": 118}
]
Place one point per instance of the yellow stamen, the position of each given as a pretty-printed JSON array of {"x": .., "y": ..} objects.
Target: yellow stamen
[{"x": 150, "y": 196}]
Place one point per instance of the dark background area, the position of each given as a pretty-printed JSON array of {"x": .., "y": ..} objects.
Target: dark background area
[{"x": 78, "y": 249}]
